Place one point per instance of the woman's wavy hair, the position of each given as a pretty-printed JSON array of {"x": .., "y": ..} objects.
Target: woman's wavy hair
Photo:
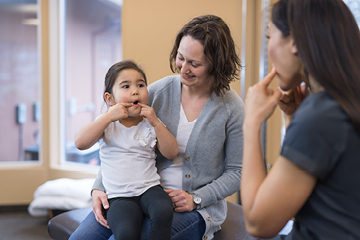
[
  {"x": 328, "y": 41},
  {"x": 114, "y": 71},
  {"x": 219, "y": 48}
]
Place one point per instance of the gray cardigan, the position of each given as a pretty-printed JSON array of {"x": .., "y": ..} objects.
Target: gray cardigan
[{"x": 213, "y": 155}]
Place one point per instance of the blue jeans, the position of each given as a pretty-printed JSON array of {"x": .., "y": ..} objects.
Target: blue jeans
[
  {"x": 186, "y": 225},
  {"x": 125, "y": 215}
]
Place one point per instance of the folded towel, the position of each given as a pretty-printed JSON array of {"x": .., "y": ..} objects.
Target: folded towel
[{"x": 61, "y": 194}]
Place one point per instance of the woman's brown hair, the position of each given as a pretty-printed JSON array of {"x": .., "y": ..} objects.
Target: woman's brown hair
[
  {"x": 219, "y": 48},
  {"x": 328, "y": 41}
]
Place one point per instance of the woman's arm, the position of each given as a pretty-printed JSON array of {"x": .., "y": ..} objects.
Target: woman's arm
[
  {"x": 269, "y": 201},
  {"x": 166, "y": 142}
]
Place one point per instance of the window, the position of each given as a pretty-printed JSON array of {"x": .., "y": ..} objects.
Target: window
[
  {"x": 19, "y": 82},
  {"x": 354, "y": 6},
  {"x": 90, "y": 43}
]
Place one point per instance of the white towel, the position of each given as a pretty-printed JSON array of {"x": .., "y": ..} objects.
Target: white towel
[{"x": 61, "y": 194}]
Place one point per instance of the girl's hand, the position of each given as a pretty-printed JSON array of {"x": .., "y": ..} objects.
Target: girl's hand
[
  {"x": 261, "y": 101},
  {"x": 118, "y": 111},
  {"x": 149, "y": 113},
  {"x": 182, "y": 201}
]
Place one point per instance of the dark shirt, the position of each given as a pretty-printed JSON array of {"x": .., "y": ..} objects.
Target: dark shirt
[{"x": 322, "y": 140}]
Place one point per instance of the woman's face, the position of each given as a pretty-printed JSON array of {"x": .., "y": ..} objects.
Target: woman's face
[
  {"x": 283, "y": 53},
  {"x": 191, "y": 63}
]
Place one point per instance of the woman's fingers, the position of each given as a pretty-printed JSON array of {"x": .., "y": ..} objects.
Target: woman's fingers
[
  {"x": 268, "y": 78},
  {"x": 99, "y": 200},
  {"x": 181, "y": 200},
  {"x": 261, "y": 100}
]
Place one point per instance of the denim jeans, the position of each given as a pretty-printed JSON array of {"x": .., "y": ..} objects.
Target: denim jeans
[
  {"x": 186, "y": 225},
  {"x": 126, "y": 214}
]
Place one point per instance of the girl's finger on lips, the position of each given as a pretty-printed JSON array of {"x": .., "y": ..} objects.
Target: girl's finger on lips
[
  {"x": 142, "y": 105},
  {"x": 127, "y": 104}
]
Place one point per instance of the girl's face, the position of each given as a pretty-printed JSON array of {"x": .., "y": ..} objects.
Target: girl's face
[
  {"x": 129, "y": 87},
  {"x": 191, "y": 63},
  {"x": 283, "y": 53}
]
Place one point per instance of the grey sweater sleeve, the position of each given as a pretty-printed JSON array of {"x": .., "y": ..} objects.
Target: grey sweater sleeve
[{"x": 98, "y": 183}]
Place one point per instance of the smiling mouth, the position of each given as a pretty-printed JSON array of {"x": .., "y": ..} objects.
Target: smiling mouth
[{"x": 187, "y": 76}]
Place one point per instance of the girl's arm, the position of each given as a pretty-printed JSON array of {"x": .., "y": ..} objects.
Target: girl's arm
[
  {"x": 92, "y": 132},
  {"x": 166, "y": 142},
  {"x": 269, "y": 201}
]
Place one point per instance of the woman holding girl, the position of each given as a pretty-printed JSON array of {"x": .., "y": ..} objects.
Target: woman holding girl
[{"x": 205, "y": 116}]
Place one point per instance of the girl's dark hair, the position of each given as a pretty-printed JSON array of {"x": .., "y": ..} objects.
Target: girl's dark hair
[
  {"x": 328, "y": 42},
  {"x": 219, "y": 48},
  {"x": 114, "y": 71}
]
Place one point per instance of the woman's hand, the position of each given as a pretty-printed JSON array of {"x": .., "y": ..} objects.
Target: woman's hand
[
  {"x": 261, "y": 101},
  {"x": 100, "y": 202},
  {"x": 291, "y": 100},
  {"x": 182, "y": 201}
]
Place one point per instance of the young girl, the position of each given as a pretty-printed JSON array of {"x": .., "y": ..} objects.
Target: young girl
[{"x": 128, "y": 133}]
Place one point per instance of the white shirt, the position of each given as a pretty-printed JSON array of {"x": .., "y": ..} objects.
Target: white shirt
[
  {"x": 171, "y": 177},
  {"x": 128, "y": 159}
]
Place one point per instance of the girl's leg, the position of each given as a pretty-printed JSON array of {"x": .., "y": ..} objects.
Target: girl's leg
[
  {"x": 90, "y": 229},
  {"x": 186, "y": 225},
  {"x": 125, "y": 218},
  {"x": 157, "y": 205}
]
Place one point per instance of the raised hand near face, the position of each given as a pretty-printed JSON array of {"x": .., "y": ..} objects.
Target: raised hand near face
[
  {"x": 148, "y": 113},
  {"x": 291, "y": 100},
  {"x": 118, "y": 111},
  {"x": 261, "y": 100}
]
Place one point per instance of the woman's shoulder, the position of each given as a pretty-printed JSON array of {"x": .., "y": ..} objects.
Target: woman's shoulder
[
  {"x": 230, "y": 102},
  {"x": 232, "y": 95},
  {"x": 320, "y": 107},
  {"x": 231, "y": 98},
  {"x": 165, "y": 82},
  {"x": 320, "y": 115}
]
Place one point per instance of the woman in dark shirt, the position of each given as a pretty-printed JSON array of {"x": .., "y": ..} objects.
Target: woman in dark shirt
[{"x": 316, "y": 177}]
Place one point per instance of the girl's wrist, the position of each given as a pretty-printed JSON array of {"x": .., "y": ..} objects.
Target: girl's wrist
[
  {"x": 157, "y": 123},
  {"x": 106, "y": 118}
]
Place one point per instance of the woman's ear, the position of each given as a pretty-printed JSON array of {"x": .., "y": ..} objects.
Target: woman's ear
[
  {"x": 293, "y": 47},
  {"x": 109, "y": 99}
]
